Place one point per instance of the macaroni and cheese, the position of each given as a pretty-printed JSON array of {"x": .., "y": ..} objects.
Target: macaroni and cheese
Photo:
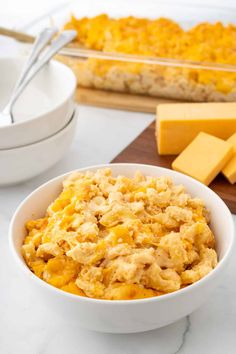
[
  {"x": 163, "y": 38},
  {"x": 121, "y": 238}
]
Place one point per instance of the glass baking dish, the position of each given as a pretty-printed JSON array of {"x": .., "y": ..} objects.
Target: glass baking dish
[{"x": 175, "y": 77}]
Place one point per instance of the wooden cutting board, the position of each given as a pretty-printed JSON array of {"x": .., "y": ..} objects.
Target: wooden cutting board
[
  {"x": 143, "y": 150},
  {"x": 116, "y": 100}
]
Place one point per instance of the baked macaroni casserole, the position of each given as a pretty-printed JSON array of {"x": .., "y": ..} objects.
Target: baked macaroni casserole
[
  {"x": 121, "y": 238},
  {"x": 163, "y": 38}
]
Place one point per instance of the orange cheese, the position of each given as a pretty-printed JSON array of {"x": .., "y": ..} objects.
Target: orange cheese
[
  {"x": 204, "y": 158},
  {"x": 229, "y": 170},
  {"x": 178, "y": 124}
]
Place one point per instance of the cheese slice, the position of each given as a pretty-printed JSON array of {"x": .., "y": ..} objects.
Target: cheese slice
[
  {"x": 178, "y": 124},
  {"x": 229, "y": 170},
  {"x": 204, "y": 157}
]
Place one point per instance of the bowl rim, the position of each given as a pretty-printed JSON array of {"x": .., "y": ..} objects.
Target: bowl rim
[
  {"x": 52, "y": 62},
  {"x": 58, "y": 292},
  {"x": 51, "y": 137}
]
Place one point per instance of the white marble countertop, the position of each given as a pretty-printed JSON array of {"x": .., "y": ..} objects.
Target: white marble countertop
[{"x": 27, "y": 325}]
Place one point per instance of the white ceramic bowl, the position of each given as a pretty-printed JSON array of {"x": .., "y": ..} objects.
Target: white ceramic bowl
[
  {"x": 22, "y": 163},
  {"x": 125, "y": 316},
  {"x": 44, "y": 107}
]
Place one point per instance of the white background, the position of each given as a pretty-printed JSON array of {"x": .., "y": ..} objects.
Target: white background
[{"x": 27, "y": 326}]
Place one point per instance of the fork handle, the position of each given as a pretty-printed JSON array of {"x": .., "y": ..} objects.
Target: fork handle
[
  {"x": 63, "y": 39},
  {"x": 40, "y": 43}
]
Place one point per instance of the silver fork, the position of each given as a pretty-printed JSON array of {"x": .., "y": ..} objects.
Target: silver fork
[{"x": 34, "y": 65}]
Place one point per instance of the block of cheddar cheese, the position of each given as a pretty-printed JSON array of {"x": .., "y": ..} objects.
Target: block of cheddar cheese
[
  {"x": 178, "y": 124},
  {"x": 229, "y": 170},
  {"x": 204, "y": 158}
]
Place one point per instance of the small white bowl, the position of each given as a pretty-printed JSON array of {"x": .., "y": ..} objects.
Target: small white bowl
[
  {"x": 126, "y": 316},
  {"x": 22, "y": 163},
  {"x": 44, "y": 107}
]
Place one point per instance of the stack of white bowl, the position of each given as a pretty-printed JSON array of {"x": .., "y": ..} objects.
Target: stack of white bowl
[{"x": 45, "y": 120}]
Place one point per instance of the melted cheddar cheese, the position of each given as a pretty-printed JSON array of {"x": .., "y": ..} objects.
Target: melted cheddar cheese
[{"x": 121, "y": 238}]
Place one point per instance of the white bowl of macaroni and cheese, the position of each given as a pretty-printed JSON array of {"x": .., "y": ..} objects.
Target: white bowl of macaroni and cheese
[{"x": 123, "y": 248}]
